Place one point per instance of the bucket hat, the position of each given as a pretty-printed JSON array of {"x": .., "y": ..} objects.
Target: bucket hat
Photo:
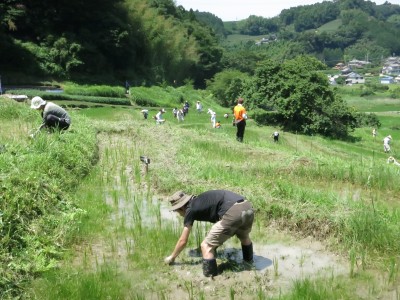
[
  {"x": 179, "y": 199},
  {"x": 37, "y": 102}
]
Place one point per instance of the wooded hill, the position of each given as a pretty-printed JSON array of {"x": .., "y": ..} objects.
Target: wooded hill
[
  {"x": 154, "y": 41},
  {"x": 332, "y": 31}
]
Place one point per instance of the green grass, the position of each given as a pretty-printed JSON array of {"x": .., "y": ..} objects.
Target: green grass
[
  {"x": 38, "y": 177},
  {"x": 375, "y": 104},
  {"x": 234, "y": 39},
  {"x": 331, "y": 26},
  {"x": 342, "y": 193}
]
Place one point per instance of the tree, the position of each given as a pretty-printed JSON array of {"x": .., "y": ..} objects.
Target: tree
[
  {"x": 10, "y": 11},
  {"x": 302, "y": 98},
  {"x": 226, "y": 86}
]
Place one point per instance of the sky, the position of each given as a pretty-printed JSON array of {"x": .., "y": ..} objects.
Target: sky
[{"x": 235, "y": 10}]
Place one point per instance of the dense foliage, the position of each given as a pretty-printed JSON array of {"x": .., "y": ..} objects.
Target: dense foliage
[
  {"x": 332, "y": 31},
  {"x": 302, "y": 98},
  {"x": 154, "y": 41},
  {"x": 143, "y": 41}
]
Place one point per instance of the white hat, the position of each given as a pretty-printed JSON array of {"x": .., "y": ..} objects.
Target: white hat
[
  {"x": 37, "y": 102},
  {"x": 389, "y": 136}
]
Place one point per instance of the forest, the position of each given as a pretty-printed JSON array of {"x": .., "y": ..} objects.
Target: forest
[{"x": 153, "y": 42}]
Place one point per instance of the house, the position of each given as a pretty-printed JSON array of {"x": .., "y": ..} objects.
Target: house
[
  {"x": 346, "y": 70},
  {"x": 391, "y": 66},
  {"x": 262, "y": 41},
  {"x": 354, "y": 78},
  {"x": 339, "y": 66},
  {"x": 393, "y": 69},
  {"x": 358, "y": 63},
  {"x": 386, "y": 80}
]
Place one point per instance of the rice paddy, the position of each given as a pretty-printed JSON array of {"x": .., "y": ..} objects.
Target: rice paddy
[{"x": 326, "y": 213}]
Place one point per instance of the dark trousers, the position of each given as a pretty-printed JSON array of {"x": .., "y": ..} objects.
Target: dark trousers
[
  {"x": 240, "y": 130},
  {"x": 53, "y": 121}
]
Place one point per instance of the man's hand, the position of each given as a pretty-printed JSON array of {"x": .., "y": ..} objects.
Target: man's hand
[{"x": 169, "y": 260}]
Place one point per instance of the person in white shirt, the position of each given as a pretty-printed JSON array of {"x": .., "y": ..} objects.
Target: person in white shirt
[
  {"x": 159, "y": 116},
  {"x": 53, "y": 116},
  {"x": 199, "y": 107},
  {"x": 180, "y": 115},
  {"x": 213, "y": 117},
  {"x": 386, "y": 142}
]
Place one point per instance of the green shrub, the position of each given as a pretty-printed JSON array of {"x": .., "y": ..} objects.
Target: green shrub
[
  {"x": 95, "y": 90},
  {"x": 367, "y": 120},
  {"x": 263, "y": 117},
  {"x": 67, "y": 97},
  {"x": 144, "y": 102}
]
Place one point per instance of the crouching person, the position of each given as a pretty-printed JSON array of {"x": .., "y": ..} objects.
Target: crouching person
[
  {"x": 231, "y": 214},
  {"x": 54, "y": 116}
]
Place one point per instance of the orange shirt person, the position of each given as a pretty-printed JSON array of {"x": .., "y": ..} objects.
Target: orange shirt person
[{"x": 240, "y": 119}]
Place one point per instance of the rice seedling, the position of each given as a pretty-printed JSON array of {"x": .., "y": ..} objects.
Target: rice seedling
[
  {"x": 353, "y": 262},
  {"x": 393, "y": 270},
  {"x": 275, "y": 262},
  {"x": 232, "y": 293}
]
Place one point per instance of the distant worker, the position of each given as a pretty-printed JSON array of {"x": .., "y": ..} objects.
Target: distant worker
[
  {"x": 213, "y": 117},
  {"x": 275, "y": 135},
  {"x": 159, "y": 116},
  {"x": 226, "y": 116},
  {"x": 386, "y": 142},
  {"x": 185, "y": 110},
  {"x": 374, "y": 133},
  {"x": 218, "y": 124},
  {"x": 180, "y": 115},
  {"x": 145, "y": 113},
  {"x": 186, "y": 107},
  {"x": 199, "y": 107},
  {"x": 54, "y": 116},
  {"x": 391, "y": 159},
  {"x": 240, "y": 119}
]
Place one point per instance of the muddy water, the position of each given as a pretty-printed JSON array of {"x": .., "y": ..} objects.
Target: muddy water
[
  {"x": 292, "y": 260},
  {"x": 276, "y": 266},
  {"x": 278, "y": 258},
  {"x": 278, "y": 263}
]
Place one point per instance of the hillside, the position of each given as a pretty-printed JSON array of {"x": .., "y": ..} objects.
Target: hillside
[
  {"x": 316, "y": 199},
  {"x": 330, "y": 31},
  {"x": 181, "y": 46}
]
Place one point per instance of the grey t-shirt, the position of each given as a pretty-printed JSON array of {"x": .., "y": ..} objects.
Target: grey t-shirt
[{"x": 53, "y": 109}]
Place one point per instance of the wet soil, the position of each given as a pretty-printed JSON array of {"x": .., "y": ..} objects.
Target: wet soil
[{"x": 279, "y": 258}]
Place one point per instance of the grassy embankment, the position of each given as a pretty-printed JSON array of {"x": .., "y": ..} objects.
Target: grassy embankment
[
  {"x": 38, "y": 178},
  {"x": 342, "y": 193}
]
